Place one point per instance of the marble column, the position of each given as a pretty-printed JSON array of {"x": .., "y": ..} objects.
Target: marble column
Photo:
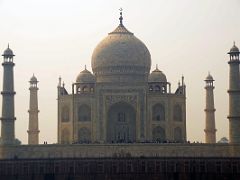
[
  {"x": 210, "y": 130},
  {"x": 8, "y": 115},
  {"x": 33, "y": 130}
]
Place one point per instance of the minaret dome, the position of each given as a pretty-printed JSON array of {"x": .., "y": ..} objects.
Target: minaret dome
[
  {"x": 234, "y": 49},
  {"x": 33, "y": 81},
  {"x": 8, "y": 52}
]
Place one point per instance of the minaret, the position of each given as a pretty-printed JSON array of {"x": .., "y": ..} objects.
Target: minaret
[
  {"x": 234, "y": 95},
  {"x": 33, "y": 131},
  {"x": 8, "y": 116},
  {"x": 210, "y": 130}
]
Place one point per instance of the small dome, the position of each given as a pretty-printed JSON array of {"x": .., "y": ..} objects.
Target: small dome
[
  {"x": 157, "y": 76},
  {"x": 8, "y": 52},
  {"x": 33, "y": 79},
  {"x": 85, "y": 76},
  {"x": 209, "y": 77},
  {"x": 234, "y": 49}
]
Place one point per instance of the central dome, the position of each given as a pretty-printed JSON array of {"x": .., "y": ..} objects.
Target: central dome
[{"x": 121, "y": 57}]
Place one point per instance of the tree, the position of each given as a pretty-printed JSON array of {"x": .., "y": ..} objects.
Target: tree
[{"x": 223, "y": 140}]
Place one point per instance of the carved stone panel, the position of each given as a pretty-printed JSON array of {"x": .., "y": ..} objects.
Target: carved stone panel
[{"x": 112, "y": 99}]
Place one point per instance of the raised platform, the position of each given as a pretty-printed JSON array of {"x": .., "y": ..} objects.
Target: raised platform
[{"x": 119, "y": 150}]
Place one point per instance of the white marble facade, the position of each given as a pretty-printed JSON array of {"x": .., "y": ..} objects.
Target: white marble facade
[{"x": 121, "y": 101}]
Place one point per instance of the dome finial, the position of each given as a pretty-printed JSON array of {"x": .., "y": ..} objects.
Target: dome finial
[
  {"x": 234, "y": 43},
  {"x": 182, "y": 80},
  {"x": 121, "y": 18},
  {"x": 59, "y": 81},
  {"x": 156, "y": 69},
  {"x": 8, "y": 45},
  {"x": 85, "y": 67}
]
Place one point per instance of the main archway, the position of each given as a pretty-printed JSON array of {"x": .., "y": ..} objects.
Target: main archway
[{"x": 121, "y": 123}]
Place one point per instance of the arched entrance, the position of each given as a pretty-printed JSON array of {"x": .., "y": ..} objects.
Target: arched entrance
[
  {"x": 84, "y": 135},
  {"x": 158, "y": 134},
  {"x": 121, "y": 123},
  {"x": 178, "y": 134},
  {"x": 65, "y": 136}
]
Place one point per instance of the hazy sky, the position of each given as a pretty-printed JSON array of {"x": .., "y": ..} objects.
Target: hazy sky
[{"x": 57, "y": 37}]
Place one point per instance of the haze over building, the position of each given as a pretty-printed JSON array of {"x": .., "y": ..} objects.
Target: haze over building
[
  {"x": 63, "y": 37},
  {"x": 120, "y": 121}
]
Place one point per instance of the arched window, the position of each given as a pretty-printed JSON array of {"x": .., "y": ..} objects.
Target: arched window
[
  {"x": 158, "y": 112},
  {"x": 158, "y": 134},
  {"x": 85, "y": 89},
  {"x": 84, "y": 113},
  {"x": 78, "y": 90},
  {"x": 91, "y": 89},
  {"x": 65, "y": 136},
  {"x": 84, "y": 135},
  {"x": 177, "y": 113},
  {"x": 178, "y": 134},
  {"x": 150, "y": 88},
  {"x": 157, "y": 88},
  {"x": 65, "y": 114},
  {"x": 164, "y": 89}
]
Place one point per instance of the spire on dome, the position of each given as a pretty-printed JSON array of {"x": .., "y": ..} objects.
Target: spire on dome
[
  {"x": 121, "y": 28},
  {"x": 121, "y": 18},
  {"x": 157, "y": 70}
]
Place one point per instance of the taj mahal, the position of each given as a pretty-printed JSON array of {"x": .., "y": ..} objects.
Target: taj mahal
[
  {"x": 121, "y": 101},
  {"x": 120, "y": 110}
]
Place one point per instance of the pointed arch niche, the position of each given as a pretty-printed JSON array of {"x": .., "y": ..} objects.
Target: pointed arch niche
[{"x": 158, "y": 112}]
